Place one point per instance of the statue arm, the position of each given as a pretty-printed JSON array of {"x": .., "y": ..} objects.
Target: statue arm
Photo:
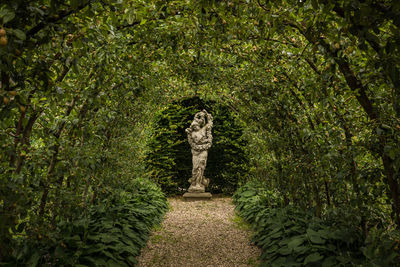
[
  {"x": 209, "y": 126},
  {"x": 210, "y": 122},
  {"x": 209, "y": 119},
  {"x": 209, "y": 135}
]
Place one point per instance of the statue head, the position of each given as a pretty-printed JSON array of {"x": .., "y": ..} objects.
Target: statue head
[
  {"x": 200, "y": 118},
  {"x": 195, "y": 125}
]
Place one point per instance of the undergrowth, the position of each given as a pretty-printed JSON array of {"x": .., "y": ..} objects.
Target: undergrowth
[
  {"x": 111, "y": 233},
  {"x": 290, "y": 236}
]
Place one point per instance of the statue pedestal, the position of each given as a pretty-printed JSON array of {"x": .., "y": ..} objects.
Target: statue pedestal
[{"x": 197, "y": 196}]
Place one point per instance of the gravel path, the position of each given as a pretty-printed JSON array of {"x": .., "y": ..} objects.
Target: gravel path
[{"x": 200, "y": 233}]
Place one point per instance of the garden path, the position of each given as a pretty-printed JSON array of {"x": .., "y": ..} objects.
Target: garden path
[{"x": 200, "y": 233}]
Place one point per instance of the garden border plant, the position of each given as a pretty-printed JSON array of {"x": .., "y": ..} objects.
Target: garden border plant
[
  {"x": 110, "y": 234},
  {"x": 290, "y": 236}
]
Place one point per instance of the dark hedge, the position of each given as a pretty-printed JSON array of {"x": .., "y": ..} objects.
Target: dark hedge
[{"x": 170, "y": 158}]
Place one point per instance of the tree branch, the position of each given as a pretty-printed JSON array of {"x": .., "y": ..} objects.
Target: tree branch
[{"x": 53, "y": 19}]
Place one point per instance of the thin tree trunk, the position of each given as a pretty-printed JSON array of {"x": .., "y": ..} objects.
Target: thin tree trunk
[
  {"x": 53, "y": 161},
  {"x": 360, "y": 94},
  {"x": 393, "y": 185},
  {"x": 25, "y": 140}
]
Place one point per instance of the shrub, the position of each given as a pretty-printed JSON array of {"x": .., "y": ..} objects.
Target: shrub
[
  {"x": 290, "y": 236},
  {"x": 110, "y": 234}
]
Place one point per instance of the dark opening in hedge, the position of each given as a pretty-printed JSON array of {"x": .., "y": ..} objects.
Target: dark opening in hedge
[{"x": 170, "y": 158}]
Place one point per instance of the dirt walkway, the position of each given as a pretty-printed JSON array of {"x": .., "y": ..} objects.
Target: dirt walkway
[{"x": 201, "y": 233}]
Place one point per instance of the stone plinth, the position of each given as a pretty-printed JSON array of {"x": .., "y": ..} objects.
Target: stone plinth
[{"x": 196, "y": 196}]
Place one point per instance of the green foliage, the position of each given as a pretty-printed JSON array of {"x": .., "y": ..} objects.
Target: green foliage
[
  {"x": 316, "y": 81},
  {"x": 64, "y": 99},
  {"x": 290, "y": 236},
  {"x": 111, "y": 233},
  {"x": 170, "y": 159}
]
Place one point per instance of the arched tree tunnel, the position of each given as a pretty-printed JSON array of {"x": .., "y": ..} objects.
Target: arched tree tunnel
[{"x": 315, "y": 84}]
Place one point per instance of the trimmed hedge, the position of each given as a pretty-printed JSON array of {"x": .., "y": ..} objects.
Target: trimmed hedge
[
  {"x": 111, "y": 234},
  {"x": 170, "y": 160},
  {"x": 290, "y": 236}
]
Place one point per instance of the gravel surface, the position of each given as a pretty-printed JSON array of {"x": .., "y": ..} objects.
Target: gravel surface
[{"x": 200, "y": 233}]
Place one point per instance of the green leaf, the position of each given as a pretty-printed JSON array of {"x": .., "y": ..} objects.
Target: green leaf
[
  {"x": 21, "y": 227},
  {"x": 330, "y": 262},
  {"x": 19, "y": 34},
  {"x": 315, "y": 237},
  {"x": 115, "y": 263},
  {"x": 34, "y": 259},
  {"x": 97, "y": 261},
  {"x": 284, "y": 251},
  {"x": 295, "y": 242},
  {"x": 313, "y": 258},
  {"x": 301, "y": 249},
  {"x": 9, "y": 16},
  {"x": 108, "y": 238}
]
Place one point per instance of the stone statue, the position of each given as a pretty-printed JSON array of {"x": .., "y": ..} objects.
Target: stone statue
[{"x": 200, "y": 140}]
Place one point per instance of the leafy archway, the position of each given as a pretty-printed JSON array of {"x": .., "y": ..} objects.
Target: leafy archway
[{"x": 317, "y": 82}]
